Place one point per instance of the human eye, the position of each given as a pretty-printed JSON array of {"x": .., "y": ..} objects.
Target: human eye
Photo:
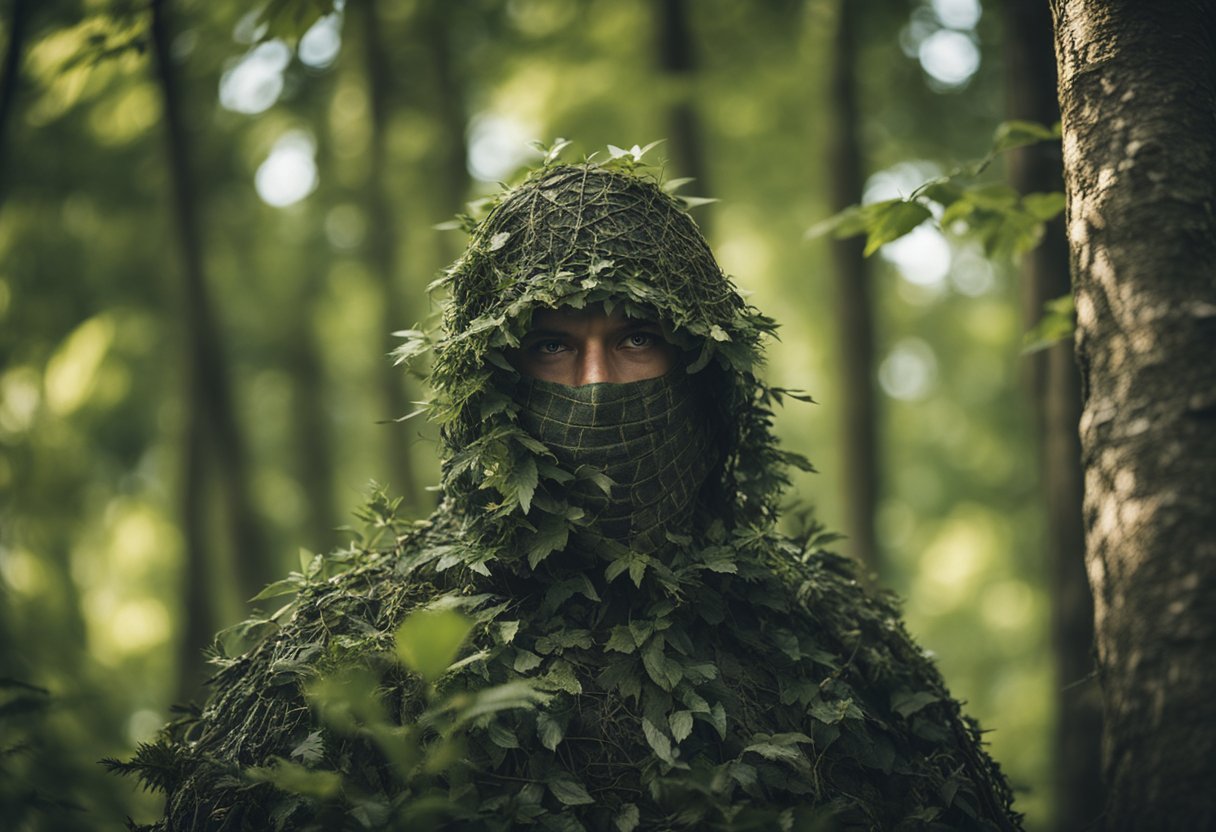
[
  {"x": 547, "y": 346},
  {"x": 640, "y": 340}
]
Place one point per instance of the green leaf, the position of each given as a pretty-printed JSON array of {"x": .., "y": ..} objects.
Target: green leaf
[
  {"x": 296, "y": 779},
  {"x": 550, "y": 537},
  {"x": 523, "y": 479},
  {"x": 717, "y": 716},
  {"x": 891, "y": 220},
  {"x": 1057, "y": 324},
  {"x": 658, "y": 741},
  {"x": 1017, "y": 133},
  {"x": 526, "y": 660},
  {"x": 637, "y": 568},
  {"x": 907, "y": 703},
  {"x": 628, "y": 819},
  {"x": 662, "y": 671},
  {"x": 570, "y": 792},
  {"x": 502, "y": 736},
  {"x": 507, "y": 631},
  {"x": 681, "y": 725},
  {"x": 621, "y": 640},
  {"x": 847, "y": 223},
  {"x": 1044, "y": 206},
  {"x": 549, "y": 730},
  {"x": 285, "y": 586},
  {"x": 428, "y": 641},
  {"x": 561, "y": 676},
  {"x": 311, "y": 750}
]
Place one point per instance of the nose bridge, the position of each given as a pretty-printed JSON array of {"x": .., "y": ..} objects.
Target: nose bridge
[{"x": 593, "y": 361}]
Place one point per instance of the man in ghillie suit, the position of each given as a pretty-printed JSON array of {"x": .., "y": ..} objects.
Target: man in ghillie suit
[{"x": 600, "y": 628}]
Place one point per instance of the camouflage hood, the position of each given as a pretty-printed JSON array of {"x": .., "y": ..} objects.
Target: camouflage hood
[{"x": 576, "y": 235}]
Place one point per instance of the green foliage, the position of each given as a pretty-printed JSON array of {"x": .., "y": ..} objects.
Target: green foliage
[
  {"x": 1003, "y": 221},
  {"x": 428, "y": 641},
  {"x": 734, "y": 678},
  {"x": 1057, "y": 323}
]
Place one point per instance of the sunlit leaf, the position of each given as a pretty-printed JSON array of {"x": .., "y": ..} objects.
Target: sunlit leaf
[{"x": 429, "y": 640}]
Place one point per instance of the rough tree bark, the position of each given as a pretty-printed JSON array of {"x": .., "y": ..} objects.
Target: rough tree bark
[
  {"x": 211, "y": 431},
  {"x": 855, "y": 316},
  {"x": 384, "y": 235},
  {"x": 1055, "y": 389},
  {"x": 1138, "y": 99},
  {"x": 678, "y": 61}
]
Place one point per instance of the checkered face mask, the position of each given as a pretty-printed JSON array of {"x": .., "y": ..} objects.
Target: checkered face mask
[{"x": 651, "y": 438}]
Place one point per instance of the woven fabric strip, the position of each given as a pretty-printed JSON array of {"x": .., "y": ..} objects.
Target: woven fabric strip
[{"x": 649, "y": 437}]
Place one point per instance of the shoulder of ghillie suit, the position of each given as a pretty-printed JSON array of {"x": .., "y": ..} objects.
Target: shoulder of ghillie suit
[{"x": 503, "y": 665}]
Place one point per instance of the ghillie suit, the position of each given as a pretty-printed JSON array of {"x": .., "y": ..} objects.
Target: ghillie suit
[{"x": 645, "y": 650}]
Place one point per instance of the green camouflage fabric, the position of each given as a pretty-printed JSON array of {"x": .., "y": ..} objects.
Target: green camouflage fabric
[
  {"x": 600, "y": 628},
  {"x": 649, "y": 438}
]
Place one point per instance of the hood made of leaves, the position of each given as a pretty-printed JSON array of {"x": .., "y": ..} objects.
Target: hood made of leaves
[{"x": 575, "y": 235}]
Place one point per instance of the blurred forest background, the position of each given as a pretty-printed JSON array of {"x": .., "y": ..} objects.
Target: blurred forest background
[{"x": 210, "y": 229}]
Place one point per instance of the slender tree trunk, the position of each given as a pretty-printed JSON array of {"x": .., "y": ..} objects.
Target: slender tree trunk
[
  {"x": 1138, "y": 98},
  {"x": 855, "y": 316},
  {"x": 384, "y": 235},
  {"x": 311, "y": 422},
  {"x": 1055, "y": 389},
  {"x": 211, "y": 432},
  {"x": 678, "y": 61},
  {"x": 10, "y": 81},
  {"x": 452, "y": 151}
]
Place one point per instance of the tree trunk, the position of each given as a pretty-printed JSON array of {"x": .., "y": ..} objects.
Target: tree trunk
[
  {"x": 1138, "y": 98},
  {"x": 384, "y": 234},
  {"x": 855, "y": 316},
  {"x": 211, "y": 433},
  {"x": 678, "y": 61},
  {"x": 10, "y": 81},
  {"x": 1055, "y": 389}
]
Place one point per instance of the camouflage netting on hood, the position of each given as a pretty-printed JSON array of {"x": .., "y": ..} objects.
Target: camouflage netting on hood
[{"x": 509, "y": 663}]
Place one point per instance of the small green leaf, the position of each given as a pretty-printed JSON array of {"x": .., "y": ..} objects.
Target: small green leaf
[
  {"x": 907, "y": 703},
  {"x": 891, "y": 220},
  {"x": 621, "y": 640},
  {"x": 681, "y": 725},
  {"x": 311, "y": 750},
  {"x": 1057, "y": 324},
  {"x": 526, "y": 660},
  {"x": 428, "y": 641},
  {"x": 296, "y": 779},
  {"x": 658, "y": 741},
  {"x": 524, "y": 478},
  {"x": 1016, "y": 133},
  {"x": 628, "y": 818},
  {"x": 507, "y": 631},
  {"x": 550, "y": 537},
  {"x": 1044, "y": 206},
  {"x": 502, "y": 736},
  {"x": 570, "y": 792},
  {"x": 499, "y": 240},
  {"x": 549, "y": 730}
]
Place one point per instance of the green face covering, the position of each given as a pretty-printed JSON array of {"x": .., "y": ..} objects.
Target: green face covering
[{"x": 651, "y": 438}]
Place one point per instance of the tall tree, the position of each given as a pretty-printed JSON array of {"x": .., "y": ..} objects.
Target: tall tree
[
  {"x": 10, "y": 77},
  {"x": 211, "y": 431},
  {"x": 1137, "y": 84},
  {"x": 855, "y": 318},
  {"x": 384, "y": 238},
  {"x": 678, "y": 62},
  {"x": 1055, "y": 389}
]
